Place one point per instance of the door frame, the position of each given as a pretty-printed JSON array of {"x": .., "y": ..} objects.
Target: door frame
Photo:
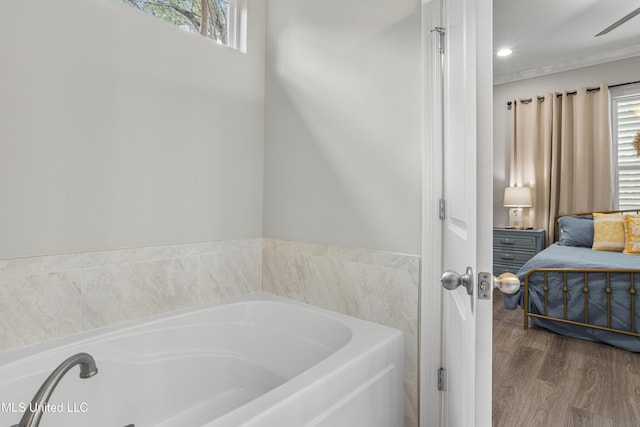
[
  {"x": 430, "y": 340},
  {"x": 430, "y": 348},
  {"x": 484, "y": 315}
]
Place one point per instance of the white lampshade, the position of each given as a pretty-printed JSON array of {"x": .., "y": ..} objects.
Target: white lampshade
[{"x": 519, "y": 197}]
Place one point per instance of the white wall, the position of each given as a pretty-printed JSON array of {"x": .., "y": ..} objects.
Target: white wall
[
  {"x": 342, "y": 141},
  {"x": 120, "y": 130},
  {"x": 622, "y": 71}
]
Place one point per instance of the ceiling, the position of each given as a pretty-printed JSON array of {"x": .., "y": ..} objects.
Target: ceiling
[{"x": 548, "y": 36}]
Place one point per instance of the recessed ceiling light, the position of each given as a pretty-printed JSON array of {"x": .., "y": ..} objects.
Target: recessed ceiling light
[{"x": 504, "y": 52}]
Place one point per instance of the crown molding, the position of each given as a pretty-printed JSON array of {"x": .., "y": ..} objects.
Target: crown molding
[{"x": 570, "y": 64}]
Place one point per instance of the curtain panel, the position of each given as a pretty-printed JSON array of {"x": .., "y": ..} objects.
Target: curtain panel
[{"x": 561, "y": 149}]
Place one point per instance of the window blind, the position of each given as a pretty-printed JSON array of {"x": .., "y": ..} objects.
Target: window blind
[{"x": 626, "y": 126}]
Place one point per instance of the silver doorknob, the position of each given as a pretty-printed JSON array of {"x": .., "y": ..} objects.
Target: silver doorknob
[
  {"x": 508, "y": 283},
  {"x": 451, "y": 280}
]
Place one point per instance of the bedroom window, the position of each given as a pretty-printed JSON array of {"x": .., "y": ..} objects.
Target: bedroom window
[
  {"x": 219, "y": 20},
  {"x": 625, "y": 123}
]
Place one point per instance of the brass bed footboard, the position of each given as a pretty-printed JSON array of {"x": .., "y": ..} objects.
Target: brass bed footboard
[{"x": 581, "y": 278}]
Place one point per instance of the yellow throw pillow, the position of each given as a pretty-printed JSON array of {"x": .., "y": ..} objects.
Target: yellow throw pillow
[
  {"x": 608, "y": 232},
  {"x": 632, "y": 234}
]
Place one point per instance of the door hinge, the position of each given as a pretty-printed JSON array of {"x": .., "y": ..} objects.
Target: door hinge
[
  {"x": 442, "y": 378},
  {"x": 441, "y": 208},
  {"x": 440, "y": 31}
]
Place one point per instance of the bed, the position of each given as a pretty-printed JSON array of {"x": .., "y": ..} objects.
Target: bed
[{"x": 574, "y": 290}]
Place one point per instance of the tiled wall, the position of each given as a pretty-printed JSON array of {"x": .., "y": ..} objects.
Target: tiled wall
[
  {"x": 51, "y": 296},
  {"x": 378, "y": 286}
]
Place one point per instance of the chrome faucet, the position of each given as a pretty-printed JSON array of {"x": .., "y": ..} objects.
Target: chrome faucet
[{"x": 33, "y": 412}]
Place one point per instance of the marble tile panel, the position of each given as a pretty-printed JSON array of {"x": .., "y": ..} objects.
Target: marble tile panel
[
  {"x": 55, "y": 295},
  {"x": 81, "y": 260},
  {"x": 409, "y": 263},
  {"x": 17, "y": 267},
  {"x": 229, "y": 273},
  {"x": 270, "y": 243},
  {"x": 290, "y": 247},
  {"x": 192, "y": 249},
  {"x": 411, "y": 413},
  {"x": 152, "y": 253},
  {"x": 174, "y": 281},
  {"x": 39, "y": 307},
  {"x": 328, "y": 282},
  {"x": 280, "y": 274},
  {"x": 117, "y": 294},
  {"x": 381, "y": 297},
  {"x": 184, "y": 290},
  {"x": 241, "y": 244}
]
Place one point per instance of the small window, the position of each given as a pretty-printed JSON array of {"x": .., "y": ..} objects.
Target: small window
[
  {"x": 219, "y": 20},
  {"x": 625, "y": 112}
]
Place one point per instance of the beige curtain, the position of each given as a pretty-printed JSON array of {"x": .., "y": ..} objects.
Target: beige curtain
[{"x": 561, "y": 149}]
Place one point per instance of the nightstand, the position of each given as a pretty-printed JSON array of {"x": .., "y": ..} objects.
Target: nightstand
[{"x": 512, "y": 248}]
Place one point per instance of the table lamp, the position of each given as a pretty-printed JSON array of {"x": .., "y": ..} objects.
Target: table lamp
[{"x": 517, "y": 198}]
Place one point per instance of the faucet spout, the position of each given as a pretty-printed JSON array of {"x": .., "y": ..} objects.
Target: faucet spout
[{"x": 33, "y": 413}]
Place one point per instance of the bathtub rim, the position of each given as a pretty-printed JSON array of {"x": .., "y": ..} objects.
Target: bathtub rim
[{"x": 27, "y": 352}]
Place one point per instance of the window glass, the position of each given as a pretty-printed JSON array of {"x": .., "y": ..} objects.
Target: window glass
[{"x": 214, "y": 19}]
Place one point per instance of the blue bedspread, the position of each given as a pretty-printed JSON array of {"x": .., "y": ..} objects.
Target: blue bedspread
[{"x": 556, "y": 256}]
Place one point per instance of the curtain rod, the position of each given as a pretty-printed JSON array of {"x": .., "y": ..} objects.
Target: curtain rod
[{"x": 590, "y": 89}]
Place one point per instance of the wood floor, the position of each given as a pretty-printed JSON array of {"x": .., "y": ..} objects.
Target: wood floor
[{"x": 544, "y": 379}]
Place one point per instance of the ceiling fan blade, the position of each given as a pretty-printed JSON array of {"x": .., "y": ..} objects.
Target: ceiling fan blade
[{"x": 619, "y": 22}]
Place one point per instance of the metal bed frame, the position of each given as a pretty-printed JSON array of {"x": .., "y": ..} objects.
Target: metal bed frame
[
  {"x": 585, "y": 290},
  {"x": 584, "y": 272}
]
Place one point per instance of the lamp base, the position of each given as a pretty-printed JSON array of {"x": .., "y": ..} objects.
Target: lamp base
[{"x": 516, "y": 220}]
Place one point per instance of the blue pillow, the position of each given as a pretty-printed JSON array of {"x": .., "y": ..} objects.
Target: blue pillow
[{"x": 576, "y": 231}]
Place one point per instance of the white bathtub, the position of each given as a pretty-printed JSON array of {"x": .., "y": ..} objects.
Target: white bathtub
[{"x": 260, "y": 361}]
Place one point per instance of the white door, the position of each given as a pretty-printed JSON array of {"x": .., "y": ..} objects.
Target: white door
[{"x": 465, "y": 121}]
